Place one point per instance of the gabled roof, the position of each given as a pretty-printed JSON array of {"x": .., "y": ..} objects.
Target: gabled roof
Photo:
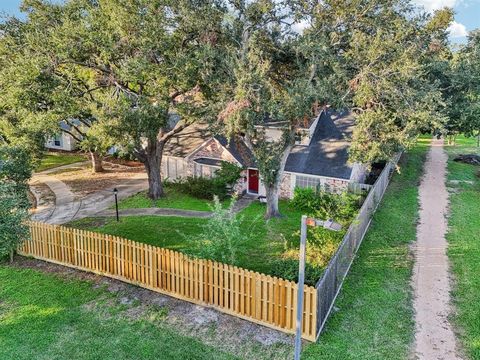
[
  {"x": 187, "y": 140},
  {"x": 239, "y": 150},
  {"x": 193, "y": 137},
  {"x": 327, "y": 154}
]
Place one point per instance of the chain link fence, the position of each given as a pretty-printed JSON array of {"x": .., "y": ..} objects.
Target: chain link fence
[{"x": 329, "y": 285}]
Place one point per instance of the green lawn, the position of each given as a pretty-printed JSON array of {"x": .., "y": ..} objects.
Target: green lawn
[
  {"x": 172, "y": 200},
  {"x": 464, "y": 244},
  {"x": 43, "y": 316},
  {"x": 266, "y": 240},
  {"x": 55, "y": 159},
  {"x": 375, "y": 317}
]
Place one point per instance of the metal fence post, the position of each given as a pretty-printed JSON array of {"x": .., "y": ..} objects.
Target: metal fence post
[{"x": 301, "y": 280}]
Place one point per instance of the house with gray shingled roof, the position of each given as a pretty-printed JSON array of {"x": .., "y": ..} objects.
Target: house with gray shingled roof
[{"x": 318, "y": 159}]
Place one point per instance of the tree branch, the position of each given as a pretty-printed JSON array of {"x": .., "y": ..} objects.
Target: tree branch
[
  {"x": 72, "y": 135},
  {"x": 76, "y": 128}
]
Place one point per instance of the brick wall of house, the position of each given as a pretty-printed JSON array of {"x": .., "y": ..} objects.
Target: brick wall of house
[
  {"x": 241, "y": 185},
  {"x": 336, "y": 185}
]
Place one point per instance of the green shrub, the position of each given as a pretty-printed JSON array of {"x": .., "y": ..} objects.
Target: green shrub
[
  {"x": 324, "y": 205},
  {"x": 200, "y": 187},
  {"x": 305, "y": 199},
  {"x": 222, "y": 236},
  {"x": 322, "y": 243},
  {"x": 229, "y": 173},
  {"x": 288, "y": 269},
  {"x": 16, "y": 168},
  {"x": 205, "y": 188}
]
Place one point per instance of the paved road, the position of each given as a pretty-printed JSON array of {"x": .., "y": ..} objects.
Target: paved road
[{"x": 434, "y": 336}]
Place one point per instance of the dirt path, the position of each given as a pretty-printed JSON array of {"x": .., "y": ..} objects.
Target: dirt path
[{"x": 434, "y": 336}]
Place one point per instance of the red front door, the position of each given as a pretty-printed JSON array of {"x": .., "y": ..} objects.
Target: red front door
[{"x": 253, "y": 181}]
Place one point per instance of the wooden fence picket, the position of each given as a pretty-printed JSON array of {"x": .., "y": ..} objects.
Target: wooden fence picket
[{"x": 260, "y": 298}]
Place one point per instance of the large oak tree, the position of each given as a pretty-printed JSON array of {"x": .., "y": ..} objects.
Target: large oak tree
[
  {"x": 137, "y": 67},
  {"x": 380, "y": 48},
  {"x": 269, "y": 84}
]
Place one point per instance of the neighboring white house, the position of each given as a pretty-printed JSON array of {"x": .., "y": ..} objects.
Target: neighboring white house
[
  {"x": 319, "y": 157},
  {"x": 63, "y": 141}
]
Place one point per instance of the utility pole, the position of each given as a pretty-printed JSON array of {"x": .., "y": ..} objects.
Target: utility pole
[{"x": 306, "y": 221}]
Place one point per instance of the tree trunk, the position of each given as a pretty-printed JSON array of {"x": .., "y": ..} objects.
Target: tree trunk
[
  {"x": 153, "y": 163},
  {"x": 272, "y": 202},
  {"x": 273, "y": 189},
  {"x": 96, "y": 162},
  {"x": 11, "y": 256}
]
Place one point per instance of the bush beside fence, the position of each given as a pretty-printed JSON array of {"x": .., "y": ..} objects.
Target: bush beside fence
[
  {"x": 259, "y": 298},
  {"x": 329, "y": 285}
]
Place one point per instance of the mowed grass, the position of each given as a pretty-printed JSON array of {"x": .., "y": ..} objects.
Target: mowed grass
[
  {"x": 43, "y": 316},
  {"x": 464, "y": 244},
  {"x": 55, "y": 159},
  {"x": 266, "y": 240},
  {"x": 374, "y": 317},
  {"x": 172, "y": 200}
]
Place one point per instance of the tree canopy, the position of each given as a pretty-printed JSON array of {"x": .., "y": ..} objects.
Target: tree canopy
[
  {"x": 269, "y": 83},
  {"x": 15, "y": 170},
  {"x": 136, "y": 73},
  {"x": 464, "y": 91}
]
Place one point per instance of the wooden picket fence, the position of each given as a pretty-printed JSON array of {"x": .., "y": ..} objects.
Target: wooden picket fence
[{"x": 259, "y": 298}]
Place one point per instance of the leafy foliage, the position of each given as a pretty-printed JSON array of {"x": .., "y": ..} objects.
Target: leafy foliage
[
  {"x": 15, "y": 170},
  {"x": 16, "y": 167},
  {"x": 200, "y": 187},
  {"x": 205, "y": 188},
  {"x": 464, "y": 91},
  {"x": 222, "y": 236},
  {"x": 288, "y": 269},
  {"x": 229, "y": 173},
  {"x": 13, "y": 214},
  {"x": 270, "y": 82},
  {"x": 379, "y": 52},
  {"x": 320, "y": 204},
  {"x": 133, "y": 70}
]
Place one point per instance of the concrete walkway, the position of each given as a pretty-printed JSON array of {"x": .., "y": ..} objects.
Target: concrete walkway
[
  {"x": 65, "y": 206},
  {"x": 240, "y": 204},
  {"x": 157, "y": 212},
  {"x": 434, "y": 336},
  {"x": 68, "y": 207}
]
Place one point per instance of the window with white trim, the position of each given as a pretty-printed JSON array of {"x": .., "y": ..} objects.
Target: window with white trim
[
  {"x": 206, "y": 171},
  {"x": 312, "y": 182}
]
